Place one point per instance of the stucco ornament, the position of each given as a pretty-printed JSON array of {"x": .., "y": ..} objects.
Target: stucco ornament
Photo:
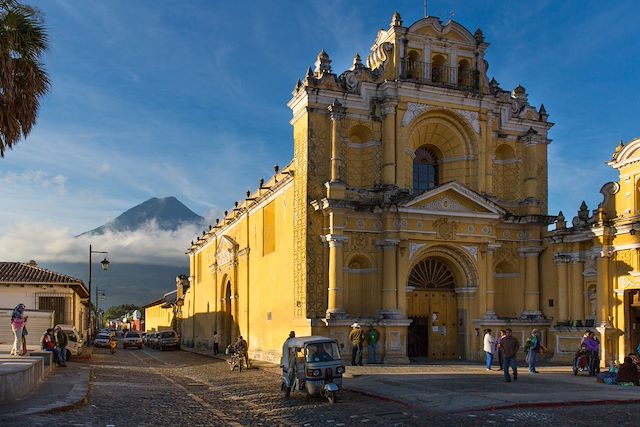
[
  {"x": 473, "y": 251},
  {"x": 444, "y": 229},
  {"x": 414, "y": 248},
  {"x": 226, "y": 252},
  {"x": 379, "y": 55},
  {"x": 415, "y": 109},
  {"x": 445, "y": 204}
]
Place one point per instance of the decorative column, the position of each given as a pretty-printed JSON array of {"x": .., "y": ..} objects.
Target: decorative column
[
  {"x": 561, "y": 262},
  {"x": 335, "y": 304},
  {"x": 602, "y": 289},
  {"x": 532, "y": 281},
  {"x": 389, "y": 274},
  {"x": 337, "y": 113},
  {"x": 491, "y": 283},
  {"x": 402, "y": 278},
  {"x": 336, "y": 187},
  {"x": 577, "y": 285},
  {"x": 389, "y": 143}
]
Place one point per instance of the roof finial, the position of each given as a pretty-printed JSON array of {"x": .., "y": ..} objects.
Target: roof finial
[{"x": 396, "y": 20}]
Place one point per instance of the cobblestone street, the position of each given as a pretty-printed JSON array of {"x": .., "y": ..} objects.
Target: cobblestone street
[{"x": 150, "y": 387}]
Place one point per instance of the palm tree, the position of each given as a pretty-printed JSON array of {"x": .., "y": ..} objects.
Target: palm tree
[{"x": 23, "y": 80}]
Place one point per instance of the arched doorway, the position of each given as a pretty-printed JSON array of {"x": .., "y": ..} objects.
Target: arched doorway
[
  {"x": 433, "y": 307},
  {"x": 228, "y": 316}
]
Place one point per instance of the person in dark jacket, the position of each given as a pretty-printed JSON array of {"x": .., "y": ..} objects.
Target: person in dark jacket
[
  {"x": 509, "y": 346},
  {"x": 628, "y": 372},
  {"x": 61, "y": 342}
]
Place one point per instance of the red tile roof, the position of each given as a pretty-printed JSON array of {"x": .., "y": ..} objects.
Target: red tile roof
[{"x": 26, "y": 273}]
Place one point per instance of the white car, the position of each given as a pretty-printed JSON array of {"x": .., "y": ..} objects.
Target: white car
[
  {"x": 132, "y": 339},
  {"x": 74, "y": 341},
  {"x": 101, "y": 340}
]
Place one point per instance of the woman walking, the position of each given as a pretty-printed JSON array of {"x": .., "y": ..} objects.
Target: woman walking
[{"x": 17, "y": 324}]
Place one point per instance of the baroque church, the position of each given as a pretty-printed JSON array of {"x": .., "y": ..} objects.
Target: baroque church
[{"x": 416, "y": 203}]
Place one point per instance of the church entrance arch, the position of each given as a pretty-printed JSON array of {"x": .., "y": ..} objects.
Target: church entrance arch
[
  {"x": 433, "y": 307},
  {"x": 227, "y": 315}
]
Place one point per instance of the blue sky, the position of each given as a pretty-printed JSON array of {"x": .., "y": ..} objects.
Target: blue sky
[{"x": 152, "y": 98}]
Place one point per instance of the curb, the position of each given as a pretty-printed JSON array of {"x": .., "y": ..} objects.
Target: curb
[
  {"x": 555, "y": 404},
  {"x": 75, "y": 398}
]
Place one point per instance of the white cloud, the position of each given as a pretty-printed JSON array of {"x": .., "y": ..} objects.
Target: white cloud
[
  {"x": 148, "y": 245},
  {"x": 39, "y": 179}
]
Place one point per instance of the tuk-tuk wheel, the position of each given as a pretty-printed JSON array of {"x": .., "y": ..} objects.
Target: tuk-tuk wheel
[
  {"x": 331, "y": 396},
  {"x": 285, "y": 390}
]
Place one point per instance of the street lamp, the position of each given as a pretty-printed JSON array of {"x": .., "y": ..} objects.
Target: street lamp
[{"x": 105, "y": 266}]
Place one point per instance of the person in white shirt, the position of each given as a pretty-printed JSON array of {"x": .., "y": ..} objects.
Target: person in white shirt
[{"x": 489, "y": 347}]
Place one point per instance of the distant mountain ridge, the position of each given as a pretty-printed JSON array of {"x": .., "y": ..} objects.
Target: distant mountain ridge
[{"x": 168, "y": 213}]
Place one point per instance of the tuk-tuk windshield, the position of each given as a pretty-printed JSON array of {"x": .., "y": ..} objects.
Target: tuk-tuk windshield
[{"x": 322, "y": 352}]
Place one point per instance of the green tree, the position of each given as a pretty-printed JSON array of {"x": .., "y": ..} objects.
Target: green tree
[
  {"x": 118, "y": 311},
  {"x": 23, "y": 79}
]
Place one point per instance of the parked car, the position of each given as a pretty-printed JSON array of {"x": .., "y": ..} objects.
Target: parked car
[
  {"x": 74, "y": 341},
  {"x": 152, "y": 340},
  {"x": 101, "y": 340},
  {"x": 168, "y": 339},
  {"x": 132, "y": 339}
]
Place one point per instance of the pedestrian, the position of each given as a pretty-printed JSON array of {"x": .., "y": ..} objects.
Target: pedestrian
[
  {"x": 532, "y": 348},
  {"x": 498, "y": 349},
  {"x": 24, "y": 336},
  {"x": 61, "y": 341},
  {"x": 47, "y": 344},
  {"x": 216, "y": 343},
  {"x": 372, "y": 340},
  {"x": 489, "y": 348},
  {"x": 509, "y": 346},
  {"x": 285, "y": 347},
  {"x": 357, "y": 338},
  {"x": 242, "y": 348},
  {"x": 17, "y": 323}
]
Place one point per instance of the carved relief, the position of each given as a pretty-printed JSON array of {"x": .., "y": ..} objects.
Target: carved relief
[
  {"x": 446, "y": 204},
  {"x": 507, "y": 252},
  {"x": 414, "y": 110},
  {"x": 445, "y": 230},
  {"x": 358, "y": 242},
  {"x": 379, "y": 55}
]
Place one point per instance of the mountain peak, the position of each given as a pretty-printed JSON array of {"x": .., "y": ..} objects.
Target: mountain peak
[{"x": 168, "y": 213}]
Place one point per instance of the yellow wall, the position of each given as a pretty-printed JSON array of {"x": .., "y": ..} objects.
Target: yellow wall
[{"x": 157, "y": 318}]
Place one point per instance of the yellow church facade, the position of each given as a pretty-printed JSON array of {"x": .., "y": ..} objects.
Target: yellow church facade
[{"x": 415, "y": 203}]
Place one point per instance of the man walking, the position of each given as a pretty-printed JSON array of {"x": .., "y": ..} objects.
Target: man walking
[
  {"x": 216, "y": 343},
  {"x": 509, "y": 346},
  {"x": 357, "y": 338}
]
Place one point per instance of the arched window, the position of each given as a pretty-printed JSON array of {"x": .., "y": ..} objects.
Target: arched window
[
  {"x": 438, "y": 69},
  {"x": 431, "y": 274},
  {"x": 464, "y": 76},
  {"x": 413, "y": 65},
  {"x": 425, "y": 170}
]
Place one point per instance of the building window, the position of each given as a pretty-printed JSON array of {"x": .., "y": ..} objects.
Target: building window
[
  {"x": 269, "y": 228},
  {"x": 425, "y": 170},
  {"x": 60, "y": 307}
]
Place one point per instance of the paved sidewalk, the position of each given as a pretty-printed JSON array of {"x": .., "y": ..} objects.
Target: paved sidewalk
[
  {"x": 456, "y": 387},
  {"x": 60, "y": 390}
]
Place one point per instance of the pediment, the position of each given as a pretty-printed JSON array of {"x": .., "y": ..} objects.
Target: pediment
[
  {"x": 454, "y": 198},
  {"x": 226, "y": 251}
]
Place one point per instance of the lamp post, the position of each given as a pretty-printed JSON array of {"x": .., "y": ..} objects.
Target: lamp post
[{"x": 105, "y": 266}]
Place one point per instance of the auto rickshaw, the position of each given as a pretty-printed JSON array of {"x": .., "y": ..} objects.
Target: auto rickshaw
[{"x": 312, "y": 365}]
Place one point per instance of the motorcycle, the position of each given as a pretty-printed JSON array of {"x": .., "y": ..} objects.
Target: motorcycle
[
  {"x": 112, "y": 346},
  {"x": 312, "y": 365}
]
